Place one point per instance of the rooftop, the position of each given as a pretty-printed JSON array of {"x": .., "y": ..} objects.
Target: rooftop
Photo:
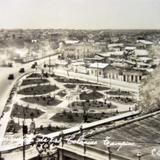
[
  {"x": 98, "y": 65},
  {"x": 130, "y": 48},
  {"x": 115, "y": 45},
  {"x": 141, "y": 52},
  {"x": 145, "y": 42},
  {"x": 108, "y": 54}
]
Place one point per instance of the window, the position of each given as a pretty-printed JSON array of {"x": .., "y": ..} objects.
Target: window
[
  {"x": 132, "y": 78},
  {"x": 136, "y": 78}
]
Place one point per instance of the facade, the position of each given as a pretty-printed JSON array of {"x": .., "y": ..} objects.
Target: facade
[
  {"x": 122, "y": 74},
  {"x": 97, "y": 69},
  {"x": 79, "y": 50}
]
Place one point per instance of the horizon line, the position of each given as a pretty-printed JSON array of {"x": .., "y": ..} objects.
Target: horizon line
[{"x": 79, "y": 29}]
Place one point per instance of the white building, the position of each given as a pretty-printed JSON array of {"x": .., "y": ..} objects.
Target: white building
[{"x": 97, "y": 69}]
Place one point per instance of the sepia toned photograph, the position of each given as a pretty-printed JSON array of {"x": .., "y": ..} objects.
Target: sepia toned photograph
[{"x": 79, "y": 79}]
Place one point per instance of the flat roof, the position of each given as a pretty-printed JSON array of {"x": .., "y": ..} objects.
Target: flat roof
[
  {"x": 116, "y": 45},
  {"x": 145, "y": 42},
  {"x": 98, "y": 65},
  {"x": 141, "y": 52},
  {"x": 108, "y": 54},
  {"x": 130, "y": 48}
]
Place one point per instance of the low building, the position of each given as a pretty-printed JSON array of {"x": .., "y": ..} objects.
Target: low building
[
  {"x": 145, "y": 43},
  {"x": 97, "y": 69},
  {"x": 115, "y": 46},
  {"x": 124, "y": 74},
  {"x": 141, "y": 53},
  {"x": 79, "y": 67},
  {"x": 108, "y": 55}
]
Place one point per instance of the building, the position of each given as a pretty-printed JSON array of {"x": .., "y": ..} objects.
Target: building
[
  {"x": 115, "y": 46},
  {"x": 144, "y": 43},
  {"x": 97, "y": 69},
  {"x": 79, "y": 67},
  {"x": 124, "y": 74},
  {"x": 79, "y": 50},
  {"x": 108, "y": 55}
]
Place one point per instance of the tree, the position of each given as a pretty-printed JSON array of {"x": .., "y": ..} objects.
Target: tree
[{"x": 150, "y": 92}]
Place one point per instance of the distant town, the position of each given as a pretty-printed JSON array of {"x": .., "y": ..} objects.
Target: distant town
[{"x": 79, "y": 94}]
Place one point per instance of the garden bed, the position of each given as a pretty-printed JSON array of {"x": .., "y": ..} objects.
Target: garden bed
[
  {"x": 93, "y": 87},
  {"x": 76, "y": 117},
  {"x": 92, "y": 95},
  {"x": 48, "y": 129},
  {"x": 91, "y": 105},
  {"x": 123, "y": 100},
  {"x": 25, "y": 112},
  {"x": 119, "y": 92},
  {"x": 34, "y": 81},
  {"x": 38, "y": 90},
  {"x": 70, "y": 86},
  {"x": 42, "y": 100},
  {"x": 69, "y": 80},
  {"x": 35, "y": 75}
]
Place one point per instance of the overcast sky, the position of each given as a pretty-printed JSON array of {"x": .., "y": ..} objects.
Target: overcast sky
[{"x": 80, "y": 14}]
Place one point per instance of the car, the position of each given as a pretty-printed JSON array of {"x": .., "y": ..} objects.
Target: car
[
  {"x": 10, "y": 65},
  {"x": 33, "y": 66},
  {"x": 11, "y": 77},
  {"x": 22, "y": 70}
]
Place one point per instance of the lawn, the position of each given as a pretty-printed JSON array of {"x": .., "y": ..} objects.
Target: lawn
[
  {"x": 94, "y": 87},
  {"x": 92, "y": 95},
  {"x": 38, "y": 90},
  {"x": 123, "y": 100},
  {"x": 48, "y": 129},
  {"x": 34, "y": 81},
  {"x": 118, "y": 92},
  {"x": 69, "y": 80},
  {"x": 91, "y": 105},
  {"x": 76, "y": 117},
  {"x": 70, "y": 86},
  {"x": 34, "y": 75},
  {"x": 21, "y": 112},
  {"x": 42, "y": 100}
]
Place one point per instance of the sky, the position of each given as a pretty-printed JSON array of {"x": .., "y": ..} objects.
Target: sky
[{"x": 80, "y": 14}]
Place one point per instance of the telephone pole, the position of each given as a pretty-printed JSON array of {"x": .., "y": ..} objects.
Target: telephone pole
[{"x": 24, "y": 130}]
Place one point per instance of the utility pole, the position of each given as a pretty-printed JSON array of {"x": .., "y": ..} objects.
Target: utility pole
[
  {"x": 109, "y": 152},
  {"x": 49, "y": 64},
  {"x": 97, "y": 72},
  {"x": 25, "y": 130}
]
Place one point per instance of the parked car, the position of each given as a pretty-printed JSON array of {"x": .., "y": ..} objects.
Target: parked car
[
  {"x": 11, "y": 77},
  {"x": 22, "y": 70}
]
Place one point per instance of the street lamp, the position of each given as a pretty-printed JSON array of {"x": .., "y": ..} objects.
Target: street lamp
[
  {"x": 62, "y": 137},
  {"x": 81, "y": 129},
  {"x": 109, "y": 152},
  {"x": 25, "y": 131}
]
